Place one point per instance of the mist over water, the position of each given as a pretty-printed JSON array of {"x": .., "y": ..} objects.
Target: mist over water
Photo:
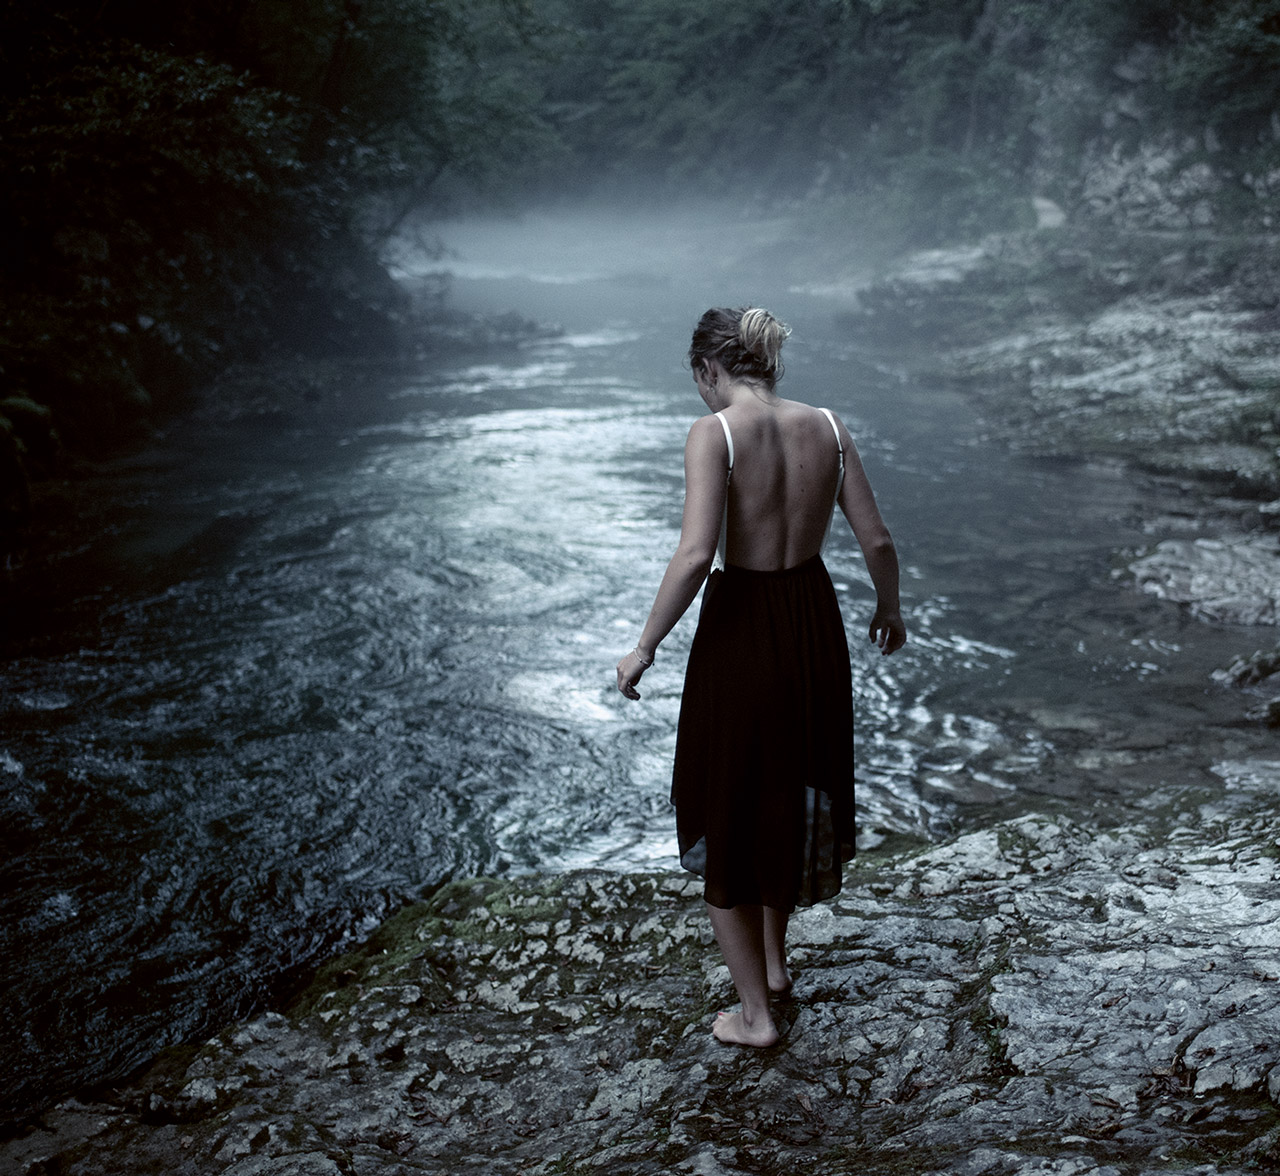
[{"x": 317, "y": 663}]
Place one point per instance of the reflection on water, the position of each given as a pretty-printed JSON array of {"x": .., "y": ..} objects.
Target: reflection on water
[{"x": 312, "y": 667}]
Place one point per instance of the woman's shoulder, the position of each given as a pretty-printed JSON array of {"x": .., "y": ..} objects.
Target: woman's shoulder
[
  {"x": 809, "y": 415},
  {"x": 707, "y": 435},
  {"x": 707, "y": 425},
  {"x": 816, "y": 426},
  {"x": 800, "y": 407}
]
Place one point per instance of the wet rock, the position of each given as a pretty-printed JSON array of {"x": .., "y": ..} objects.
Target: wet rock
[
  {"x": 1266, "y": 712},
  {"x": 1255, "y": 674},
  {"x": 306, "y": 1164},
  {"x": 1036, "y": 997},
  {"x": 1049, "y": 214},
  {"x": 1177, "y": 386},
  {"x": 1252, "y": 670},
  {"x": 1138, "y": 348},
  {"x": 1156, "y": 186},
  {"x": 1235, "y": 580},
  {"x": 442, "y": 328}
]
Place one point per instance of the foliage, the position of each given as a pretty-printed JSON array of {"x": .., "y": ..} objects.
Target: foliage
[
  {"x": 951, "y": 111},
  {"x": 197, "y": 182},
  {"x": 780, "y": 95},
  {"x": 1224, "y": 68}
]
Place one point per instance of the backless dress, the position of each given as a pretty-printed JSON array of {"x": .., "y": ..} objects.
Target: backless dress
[{"x": 763, "y": 775}]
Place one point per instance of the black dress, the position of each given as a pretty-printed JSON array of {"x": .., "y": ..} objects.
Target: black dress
[{"x": 763, "y": 776}]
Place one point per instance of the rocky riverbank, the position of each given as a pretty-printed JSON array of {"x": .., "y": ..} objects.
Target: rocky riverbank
[
  {"x": 1155, "y": 350},
  {"x": 1034, "y": 997}
]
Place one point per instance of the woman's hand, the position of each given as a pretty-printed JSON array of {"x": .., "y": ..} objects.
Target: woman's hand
[
  {"x": 887, "y": 630},
  {"x": 630, "y": 670}
]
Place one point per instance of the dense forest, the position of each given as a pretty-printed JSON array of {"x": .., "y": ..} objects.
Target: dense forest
[
  {"x": 843, "y": 86},
  {"x": 198, "y": 182}
]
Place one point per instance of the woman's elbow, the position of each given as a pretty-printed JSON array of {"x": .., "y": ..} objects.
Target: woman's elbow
[
  {"x": 880, "y": 542},
  {"x": 696, "y": 558}
]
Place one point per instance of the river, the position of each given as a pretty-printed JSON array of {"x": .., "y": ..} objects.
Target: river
[{"x": 305, "y": 661}]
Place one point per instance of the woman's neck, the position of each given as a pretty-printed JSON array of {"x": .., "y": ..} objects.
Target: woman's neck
[{"x": 750, "y": 392}]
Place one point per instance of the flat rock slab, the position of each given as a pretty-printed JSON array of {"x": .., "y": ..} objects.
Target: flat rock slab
[
  {"x": 1234, "y": 579},
  {"x": 1034, "y": 997}
]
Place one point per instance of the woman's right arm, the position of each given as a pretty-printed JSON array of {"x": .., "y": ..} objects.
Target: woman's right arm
[
  {"x": 858, "y": 504},
  {"x": 706, "y": 458}
]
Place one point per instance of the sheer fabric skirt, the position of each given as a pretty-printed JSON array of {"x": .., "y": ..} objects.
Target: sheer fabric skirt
[{"x": 763, "y": 776}]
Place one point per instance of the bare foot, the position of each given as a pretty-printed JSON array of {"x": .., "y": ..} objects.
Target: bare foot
[
  {"x": 780, "y": 983},
  {"x": 731, "y": 1029}
]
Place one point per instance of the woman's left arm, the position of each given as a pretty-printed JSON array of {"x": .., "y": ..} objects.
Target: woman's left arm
[{"x": 706, "y": 467}]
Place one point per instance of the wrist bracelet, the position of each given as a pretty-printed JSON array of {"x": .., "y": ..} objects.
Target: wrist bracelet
[{"x": 641, "y": 659}]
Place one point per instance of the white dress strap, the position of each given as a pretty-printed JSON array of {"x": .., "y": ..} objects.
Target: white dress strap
[
  {"x": 826, "y": 412},
  {"x": 728, "y": 437},
  {"x": 718, "y": 562}
]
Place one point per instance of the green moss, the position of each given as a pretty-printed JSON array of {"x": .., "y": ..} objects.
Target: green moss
[
  {"x": 973, "y": 1003},
  {"x": 168, "y": 1073},
  {"x": 464, "y": 910},
  {"x": 894, "y": 846},
  {"x": 402, "y": 940},
  {"x": 471, "y": 907}
]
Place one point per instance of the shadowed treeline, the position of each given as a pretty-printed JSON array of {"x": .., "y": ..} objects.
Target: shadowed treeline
[
  {"x": 952, "y": 113},
  {"x": 196, "y": 183}
]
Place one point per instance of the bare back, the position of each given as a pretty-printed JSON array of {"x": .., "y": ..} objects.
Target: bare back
[{"x": 786, "y": 465}]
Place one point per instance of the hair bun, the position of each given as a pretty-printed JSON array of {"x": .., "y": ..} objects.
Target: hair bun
[
  {"x": 747, "y": 340},
  {"x": 762, "y": 336}
]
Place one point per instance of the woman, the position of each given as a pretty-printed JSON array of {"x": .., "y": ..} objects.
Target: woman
[{"x": 763, "y": 776}]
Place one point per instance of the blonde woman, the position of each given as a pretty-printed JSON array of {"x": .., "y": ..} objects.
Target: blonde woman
[{"x": 763, "y": 775}]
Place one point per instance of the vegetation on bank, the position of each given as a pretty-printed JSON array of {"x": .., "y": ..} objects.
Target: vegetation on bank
[
  {"x": 949, "y": 114},
  {"x": 195, "y": 183}
]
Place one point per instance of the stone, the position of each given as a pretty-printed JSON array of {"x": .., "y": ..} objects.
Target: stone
[
  {"x": 1083, "y": 1001},
  {"x": 1085, "y": 344},
  {"x": 306, "y": 1164},
  {"x": 1049, "y": 214},
  {"x": 1233, "y": 579}
]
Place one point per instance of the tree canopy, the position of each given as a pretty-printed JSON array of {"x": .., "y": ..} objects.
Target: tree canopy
[
  {"x": 193, "y": 182},
  {"x": 788, "y": 94}
]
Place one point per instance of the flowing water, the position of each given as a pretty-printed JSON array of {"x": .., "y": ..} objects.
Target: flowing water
[{"x": 315, "y": 659}]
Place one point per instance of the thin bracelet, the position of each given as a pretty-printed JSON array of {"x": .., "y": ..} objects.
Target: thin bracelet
[{"x": 640, "y": 658}]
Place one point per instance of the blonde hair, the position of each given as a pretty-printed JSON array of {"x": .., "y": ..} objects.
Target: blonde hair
[{"x": 747, "y": 340}]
